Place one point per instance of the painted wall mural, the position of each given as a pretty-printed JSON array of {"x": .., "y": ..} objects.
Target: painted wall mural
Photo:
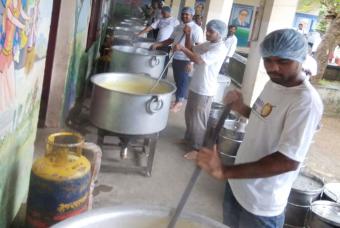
[
  {"x": 24, "y": 31},
  {"x": 78, "y": 60},
  {"x": 22, "y": 25}
]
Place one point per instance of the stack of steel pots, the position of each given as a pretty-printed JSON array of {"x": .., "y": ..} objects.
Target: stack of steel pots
[
  {"x": 137, "y": 60},
  {"x": 306, "y": 189},
  {"x": 230, "y": 139}
]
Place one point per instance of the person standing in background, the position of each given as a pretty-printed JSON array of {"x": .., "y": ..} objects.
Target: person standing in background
[
  {"x": 181, "y": 64},
  {"x": 208, "y": 58},
  {"x": 231, "y": 44}
]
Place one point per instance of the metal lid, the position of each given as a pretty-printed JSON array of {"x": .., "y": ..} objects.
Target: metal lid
[
  {"x": 308, "y": 184},
  {"x": 327, "y": 211},
  {"x": 332, "y": 190}
]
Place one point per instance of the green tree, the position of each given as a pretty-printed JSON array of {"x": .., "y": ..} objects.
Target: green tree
[{"x": 330, "y": 23}]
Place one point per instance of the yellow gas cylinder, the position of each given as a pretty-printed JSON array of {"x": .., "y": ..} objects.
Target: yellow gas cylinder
[{"x": 60, "y": 181}]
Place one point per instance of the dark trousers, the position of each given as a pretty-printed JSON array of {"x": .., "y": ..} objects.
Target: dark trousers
[
  {"x": 167, "y": 50},
  {"x": 181, "y": 78}
]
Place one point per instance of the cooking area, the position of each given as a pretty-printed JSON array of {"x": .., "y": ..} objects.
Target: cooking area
[{"x": 169, "y": 114}]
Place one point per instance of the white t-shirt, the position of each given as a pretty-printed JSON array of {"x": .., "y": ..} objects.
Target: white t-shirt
[
  {"x": 196, "y": 38},
  {"x": 282, "y": 119},
  {"x": 166, "y": 27},
  {"x": 204, "y": 77},
  {"x": 231, "y": 44},
  {"x": 310, "y": 65}
]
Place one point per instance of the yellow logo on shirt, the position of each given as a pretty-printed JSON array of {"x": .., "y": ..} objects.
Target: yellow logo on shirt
[{"x": 266, "y": 110}]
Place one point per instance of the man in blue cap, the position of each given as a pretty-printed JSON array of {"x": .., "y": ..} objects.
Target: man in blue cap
[
  {"x": 281, "y": 126},
  {"x": 181, "y": 65}
]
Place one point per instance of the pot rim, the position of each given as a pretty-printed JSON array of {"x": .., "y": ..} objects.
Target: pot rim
[
  {"x": 143, "y": 75},
  {"x": 150, "y": 53},
  {"x": 131, "y": 209},
  {"x": 310, "y": 192}
]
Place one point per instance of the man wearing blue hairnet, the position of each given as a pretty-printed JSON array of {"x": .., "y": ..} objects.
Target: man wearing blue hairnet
[
  {"x": 181, "y": 64},
  {"x": 281, "y": 126},
  {"x": 208, "y": 58}
]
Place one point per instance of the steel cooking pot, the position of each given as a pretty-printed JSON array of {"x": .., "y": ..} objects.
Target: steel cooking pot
[
  {"x": 136, "y": 217},
  {"x": 323, "y": 214},
  {"x": 137, "y": 60},
  {"x": 120, "y": 103},
  {"x": 332, "y": 192}
]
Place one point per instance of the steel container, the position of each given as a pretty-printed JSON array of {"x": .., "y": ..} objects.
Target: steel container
[
  {"x": 137, "y": 60},
  {"x": 323, "y": 214},
  {"x": 302, "y": 194},
  {"x": 137, "y": 217},
  {"x": 132, "y": 113},
  {"x": 230, "y": 138},
  {"x": 332, "y": 192}
]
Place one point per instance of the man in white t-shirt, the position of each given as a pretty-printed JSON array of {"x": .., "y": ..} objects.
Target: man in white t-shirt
[
  {"x": 166, "y": 25},
  {"x": 208, "y": 58},
  {"x": 181, "y": 64},
  {"x": 231, "y": 44},
  {"x": 281, "y": 126}
]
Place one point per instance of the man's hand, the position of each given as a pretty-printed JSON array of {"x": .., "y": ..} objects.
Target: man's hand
[
  {"x": 189, "y": 67},
  {"x": 210, "y": 161},
  {"x": 155, "y": 46},
  {"x": 177, "y": 47},
  {"x": 234, "y": 98},
  {"x": 187, "y": 30}
]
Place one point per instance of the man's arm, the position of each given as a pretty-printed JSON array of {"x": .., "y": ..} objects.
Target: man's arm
[
  {"x": 164, "y": 43},
  {"x": 271, "y": 165},
  {"x": 196, "y": 58},
  {"x": 145, "y": 30}
]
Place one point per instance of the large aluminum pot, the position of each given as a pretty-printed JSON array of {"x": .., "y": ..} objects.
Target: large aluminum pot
[
  {"x": 128, "y": 30},
  {"x": 129, "y": 40},
  {"x": 306, "y": 189},
  {"x": 121, "y": 103},
  {"x": 323, "y": 214},
  {"x": 137, "y": 60},
  {"x": 136, "y": 217}
]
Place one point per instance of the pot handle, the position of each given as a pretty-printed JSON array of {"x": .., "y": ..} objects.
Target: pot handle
[
  {"x": 154, "y": 105},
  {"x": 154, "y": 61}
]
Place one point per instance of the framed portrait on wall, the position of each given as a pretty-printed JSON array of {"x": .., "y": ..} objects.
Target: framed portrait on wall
[
  {"x": 199, "y": 7},
  {"x": 242, "y": 16}
]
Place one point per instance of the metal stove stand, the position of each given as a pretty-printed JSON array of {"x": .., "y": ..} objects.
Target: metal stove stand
[{"x": 145, "y": 144}]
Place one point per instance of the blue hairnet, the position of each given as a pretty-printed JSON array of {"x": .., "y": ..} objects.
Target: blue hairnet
[
  {"x": 166, "y": 9},
  {"x": 218, "y": 26},
  {"x": 285, "y": 43},
  {"x": 188, "y": 10}
]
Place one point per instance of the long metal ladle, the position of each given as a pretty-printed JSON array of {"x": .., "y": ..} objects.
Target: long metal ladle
[
  {"x": 165, "y": 67},
  {"x": 209, "y": 143}
]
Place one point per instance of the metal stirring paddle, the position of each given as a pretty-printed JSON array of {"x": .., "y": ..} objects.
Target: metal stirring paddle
[
  {"x": 165, "y": 67},
  {"x": 210, "y": 141}
]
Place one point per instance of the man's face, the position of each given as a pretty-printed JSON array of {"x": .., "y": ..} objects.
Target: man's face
[
  {"x": 186, "y": 17},
  {"x": 165, "y": 14},
  {"x": 231, "y": 31},
  {"x": 300, "y": 26},
  {"x": 284, "y": 72},
  {"x": 212, "y": 36},
  {"x": 243, "y": 15}
]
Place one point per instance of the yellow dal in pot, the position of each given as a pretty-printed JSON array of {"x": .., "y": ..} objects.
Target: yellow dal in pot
[{"x": 134, "y": 87}]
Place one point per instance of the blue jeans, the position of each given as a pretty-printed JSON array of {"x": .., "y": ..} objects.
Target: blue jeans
[
  {"x": 181, "y": 78},
  {"x": 235, "y": 216}
]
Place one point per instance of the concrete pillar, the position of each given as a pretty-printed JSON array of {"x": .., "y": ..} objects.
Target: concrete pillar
[
  {"x": 190, "y": 3},
  {"x": 61, "y": 63},
  {"x": 217, "y": 9},
  {"x": 176, "y": 5},
  {"x": 277, "y": 14}
]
